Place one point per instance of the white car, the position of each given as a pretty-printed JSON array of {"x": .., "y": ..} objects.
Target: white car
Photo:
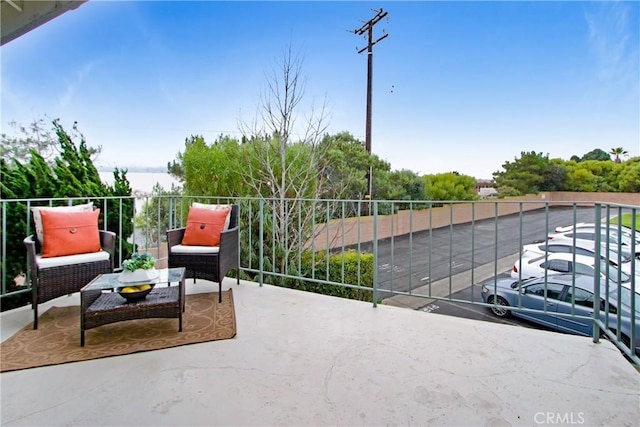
[
  {"x": 613, "y": 229},
  {"x": 589, "y": 234},
  {"x": 582, "y": 247},
  {"x": 555, "y": 263}
]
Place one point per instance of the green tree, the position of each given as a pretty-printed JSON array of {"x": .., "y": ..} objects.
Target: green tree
[
  {"x": 628, "y": 178},
  {"x": 71, "y": 174},
  {"x": 345, "y": 165},
  {"x": 531, "y": 173},
  {"x": 211, "y": 169},
  {"x": 506, "y": 191},
  {"x": 596, "y": 154},
  {"x": 590, "y": 175},
  {"x": 449, "y": 186},
  {"x": 34, "y": 137},
  {"x": 14, "y": 184},
  {"x": 555, "y": 177},
  {"x": 407, "y": 185}
]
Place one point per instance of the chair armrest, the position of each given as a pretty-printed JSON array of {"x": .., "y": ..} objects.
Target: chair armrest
[
  {"x": 228, "y": 254},
  {"x": 108, "y": 243},
  {"x": 30, "y": 244},
  {"x": 174, "y": 237},
  {"x": 229, "y": 240}
]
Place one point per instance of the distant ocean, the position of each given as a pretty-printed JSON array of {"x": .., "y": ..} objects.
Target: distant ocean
[{"x": 143, "y": 182}]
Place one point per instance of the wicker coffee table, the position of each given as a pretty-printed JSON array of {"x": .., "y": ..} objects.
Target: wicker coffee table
[{"x": 101, "y": 304}]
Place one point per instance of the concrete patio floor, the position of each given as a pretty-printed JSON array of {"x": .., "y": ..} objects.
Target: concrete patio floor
[{"x": 304, "y": 359}]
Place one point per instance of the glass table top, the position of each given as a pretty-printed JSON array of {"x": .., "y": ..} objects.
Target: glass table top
[{"x": 111, "y": 280}]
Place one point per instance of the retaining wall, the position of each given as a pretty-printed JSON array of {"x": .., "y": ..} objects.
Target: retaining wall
[{"x": 352, "y": 230}]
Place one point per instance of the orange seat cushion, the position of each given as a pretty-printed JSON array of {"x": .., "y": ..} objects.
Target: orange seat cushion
[
  {"x": 70, "y": 233},
  {"x": 204, "y": 227}
]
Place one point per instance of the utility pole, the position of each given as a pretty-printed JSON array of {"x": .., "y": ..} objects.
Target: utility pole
[{"x": 367, "y": 28}]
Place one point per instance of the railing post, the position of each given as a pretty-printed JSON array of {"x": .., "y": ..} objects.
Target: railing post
[
  {"x": 430, "y": 244},
  {"x": 133, "y": 233},
  {"x": 392, "y": 241},
  {"x": 375, "y": 253},
  {"x": 495, "y": 246},
  {"x": 238, "y": 201},
  {"x": 451, "y": 206},
  {"x": 473, "y": 248},
  {"x": 633, "y": 332},
  {"x": 3, "y": 232},
  {"x": 596, "y": 278},
  {"x": 411, "y": 247},
  {"x": 261, "y": 245},
  {"x": 249, "y": 234}
]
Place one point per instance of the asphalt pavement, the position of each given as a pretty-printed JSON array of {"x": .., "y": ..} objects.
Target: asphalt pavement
[
  {"x": 471, "y": 311},
  {"x": 410, "y": 261},
  {"x": 451, "y": 262}
]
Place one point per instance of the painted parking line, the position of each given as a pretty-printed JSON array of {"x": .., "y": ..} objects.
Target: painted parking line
[{"x": 430, "y": 308}]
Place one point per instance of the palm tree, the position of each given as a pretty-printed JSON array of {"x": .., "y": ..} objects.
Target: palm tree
[{"x": 618, "y": 151}]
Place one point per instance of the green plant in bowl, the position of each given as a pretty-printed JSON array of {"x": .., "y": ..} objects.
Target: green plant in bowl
[
  {"x": 142, "y": 261},
  {"x": 140, "y": 268}
]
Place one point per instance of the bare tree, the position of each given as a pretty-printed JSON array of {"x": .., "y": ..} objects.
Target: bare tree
[{"x": 287, "y": 148}]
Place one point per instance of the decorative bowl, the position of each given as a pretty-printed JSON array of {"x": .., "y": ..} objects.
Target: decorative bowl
[
  {"x": 138, "y": 275},
  {"x": 128, "y": 293}
]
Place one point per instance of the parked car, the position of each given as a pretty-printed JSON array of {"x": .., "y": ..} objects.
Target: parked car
[
  {"x": 626, "y": 231},
  {"x": 589, "y": 234},
  {"x": 582, "y": 247},
  {"x": 555, "y": 263},
  {"x": 564, "y": 303}
]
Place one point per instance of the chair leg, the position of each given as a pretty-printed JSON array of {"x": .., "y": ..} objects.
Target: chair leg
[
  {"x": 35, "y": 316},
  {"x": 220, "y": 291},
  {"x": 34, "y": 304}
]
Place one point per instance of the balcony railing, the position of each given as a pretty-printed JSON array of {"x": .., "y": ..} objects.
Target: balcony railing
[{"x": 415, "y": 248}]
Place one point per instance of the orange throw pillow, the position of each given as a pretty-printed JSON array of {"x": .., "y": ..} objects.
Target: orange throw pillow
[
  {"x": 204, "y": 227},
  {"x": 70, "y": 233}
]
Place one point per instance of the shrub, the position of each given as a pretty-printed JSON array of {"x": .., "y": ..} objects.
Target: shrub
[{"x": 358, "y": 270}]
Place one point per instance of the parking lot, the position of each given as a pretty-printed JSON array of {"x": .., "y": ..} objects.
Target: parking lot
[
  {"x": 472, "y": 311},
  {"x": 447, "y": 261},
  {"x": 408, "y": 262}
]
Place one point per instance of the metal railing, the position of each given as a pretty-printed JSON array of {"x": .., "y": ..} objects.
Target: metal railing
[{"x": 426, "y": 250}]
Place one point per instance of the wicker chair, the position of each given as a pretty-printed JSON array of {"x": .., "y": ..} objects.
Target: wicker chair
[
  {"x": 48, "y": 283},
  {"x": 212, "y": 265}
]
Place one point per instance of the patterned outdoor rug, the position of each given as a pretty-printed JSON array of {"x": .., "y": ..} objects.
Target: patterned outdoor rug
[{"x": 57, "y": 339}]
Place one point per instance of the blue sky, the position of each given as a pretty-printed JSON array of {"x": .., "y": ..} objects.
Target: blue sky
[{"x": 457, "y": 86}]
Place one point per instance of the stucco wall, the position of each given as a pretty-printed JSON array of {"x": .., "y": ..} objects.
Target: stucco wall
[
  {"x": 351, "y": 230},
  {"x": 632, "y": 199}
]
